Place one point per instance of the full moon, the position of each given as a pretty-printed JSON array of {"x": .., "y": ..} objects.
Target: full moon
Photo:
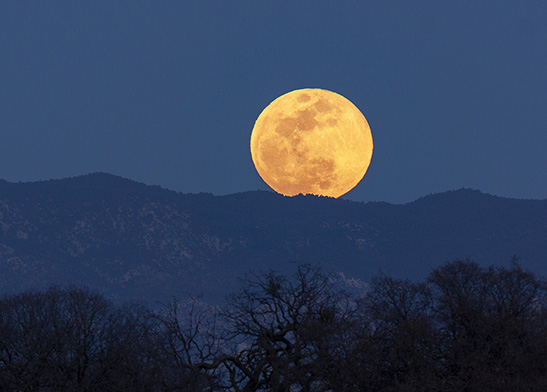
[{"x": 311, "y": 141}]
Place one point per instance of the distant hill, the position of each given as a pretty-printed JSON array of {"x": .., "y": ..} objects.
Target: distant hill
[{"x": 134, "y": 241}]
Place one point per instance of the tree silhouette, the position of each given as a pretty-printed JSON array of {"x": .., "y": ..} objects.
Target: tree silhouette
[{"x": 465, "y": 328}]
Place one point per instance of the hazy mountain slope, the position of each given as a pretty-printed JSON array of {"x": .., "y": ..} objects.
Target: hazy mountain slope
[{"x": 137, "y": 241}]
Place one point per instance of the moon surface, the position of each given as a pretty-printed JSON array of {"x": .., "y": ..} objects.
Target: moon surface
[{"x": 311, "y": 141}]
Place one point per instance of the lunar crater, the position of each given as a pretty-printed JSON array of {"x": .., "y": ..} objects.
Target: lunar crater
[{"x": 305, "y": 120}]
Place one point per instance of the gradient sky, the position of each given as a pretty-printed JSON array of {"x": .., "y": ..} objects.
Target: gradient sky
[{"x": 167, "y": 92}]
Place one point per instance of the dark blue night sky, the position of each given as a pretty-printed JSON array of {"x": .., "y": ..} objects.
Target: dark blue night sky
[{"x": 166, "y": 92}]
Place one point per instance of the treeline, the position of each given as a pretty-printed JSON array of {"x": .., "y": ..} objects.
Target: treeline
[{"x": 465, "y": 328}]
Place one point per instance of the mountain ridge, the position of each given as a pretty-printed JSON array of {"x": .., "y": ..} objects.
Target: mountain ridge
[{"x": 133, "y": 240}]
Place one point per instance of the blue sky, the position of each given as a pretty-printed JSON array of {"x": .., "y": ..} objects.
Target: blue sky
[{"x": 167, "y": 92}]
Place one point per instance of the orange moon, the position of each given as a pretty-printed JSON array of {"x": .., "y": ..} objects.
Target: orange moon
[{"x": 311, "y": 141}]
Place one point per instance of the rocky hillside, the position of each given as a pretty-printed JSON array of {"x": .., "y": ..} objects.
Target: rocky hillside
[{"x": 136, "y": 241}]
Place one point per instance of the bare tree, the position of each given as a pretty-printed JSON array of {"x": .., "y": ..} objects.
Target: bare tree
[
  {"x": 397, "y": 348},
  {"x": 492, "y": 323},
  {"x": 71, "y": 340},
  {"x": 189, "y": 344},
  {"x": 278, "y": 327},
  {"x": 132, "y": 362}
]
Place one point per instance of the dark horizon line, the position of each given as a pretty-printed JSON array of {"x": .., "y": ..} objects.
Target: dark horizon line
[{"x": 118, "y": 177}]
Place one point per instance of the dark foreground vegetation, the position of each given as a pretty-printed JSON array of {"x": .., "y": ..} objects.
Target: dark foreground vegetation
[{"x": 465, "y": 328}]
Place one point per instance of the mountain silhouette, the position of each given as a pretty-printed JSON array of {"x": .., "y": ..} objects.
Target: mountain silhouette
[{"x": 134, "y": 241}]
